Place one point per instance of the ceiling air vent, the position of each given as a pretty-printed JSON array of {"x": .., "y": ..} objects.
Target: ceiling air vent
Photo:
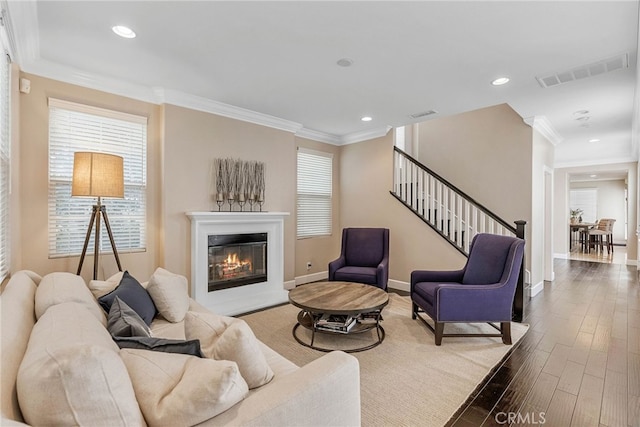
[
  {"x": 600, "y": 67},
  {"x": 423, "y": 114}
]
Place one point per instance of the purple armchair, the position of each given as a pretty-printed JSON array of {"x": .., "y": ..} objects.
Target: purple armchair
[
  {"x": 482, "y": 291},
  {"x": 364, "y": 257}
]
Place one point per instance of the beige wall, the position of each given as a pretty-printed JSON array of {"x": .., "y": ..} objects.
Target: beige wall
[
  {"x": 366, "y": 172},
  {"x": 321, "y": 250},
  {"x": 486, "y": 153},
  {"x": 193, "y": 139},
  {"x": 32, "y": 249},
  {"x": 182, "y": 144}
]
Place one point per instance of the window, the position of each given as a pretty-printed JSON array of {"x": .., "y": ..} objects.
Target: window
[
  {"x": 5, "y": 167},
  {"x": 75, "y": 127},
  {"x": 585, "y": 199},
  {"x": 314, "y": 193}
]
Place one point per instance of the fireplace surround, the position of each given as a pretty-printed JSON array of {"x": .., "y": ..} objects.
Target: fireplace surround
[{"x": 215, "y": 238}]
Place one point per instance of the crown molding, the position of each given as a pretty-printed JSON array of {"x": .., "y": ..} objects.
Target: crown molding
[
  {"x": 159, "y": 95},
  {"x": 319, "y": 136},
  {"x": 544, "y": 126},
  {"x": 595, "y": 162},
  {"x": 199, "y": 103},
  {"x": 63, "y": 73},
  {"x": 22, "y": 29},
  {"x": 352, "y": 138}
]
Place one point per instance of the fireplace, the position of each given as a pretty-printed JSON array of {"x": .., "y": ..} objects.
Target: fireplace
[
  {"x": 257, "y": 269},
  {"x": 237, "y": 260}
]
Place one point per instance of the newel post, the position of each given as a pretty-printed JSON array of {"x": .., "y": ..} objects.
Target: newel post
[{"x": 519, "y": 300}]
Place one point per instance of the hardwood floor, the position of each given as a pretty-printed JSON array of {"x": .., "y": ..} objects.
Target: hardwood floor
[{"x": 579, "y": 363}]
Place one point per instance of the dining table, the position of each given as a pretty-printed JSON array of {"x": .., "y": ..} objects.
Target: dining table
[{"x": 578, "y": 226}]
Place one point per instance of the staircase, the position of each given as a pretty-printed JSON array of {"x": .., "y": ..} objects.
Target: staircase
[{"x": 449, "y": 211}]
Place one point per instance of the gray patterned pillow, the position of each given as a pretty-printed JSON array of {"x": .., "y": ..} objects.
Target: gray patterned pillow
[{"x": 123, "y": 321}]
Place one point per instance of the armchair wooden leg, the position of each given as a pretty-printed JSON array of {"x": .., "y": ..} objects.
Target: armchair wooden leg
[
  {"x": 505, "y": 328},
  {"x": 439, "y": 330},
  {"x": 414, "y": 310}
]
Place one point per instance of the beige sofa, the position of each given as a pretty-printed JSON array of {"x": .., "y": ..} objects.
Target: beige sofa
[{"x": 73, "y": 371}]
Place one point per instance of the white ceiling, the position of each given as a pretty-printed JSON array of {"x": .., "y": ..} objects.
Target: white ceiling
[{"x": 275, "y": 62}]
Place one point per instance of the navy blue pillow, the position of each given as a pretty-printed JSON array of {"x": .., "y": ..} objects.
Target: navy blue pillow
[
  {"x": 134, "y": 295},
  {"x": 191, "y": 347}
]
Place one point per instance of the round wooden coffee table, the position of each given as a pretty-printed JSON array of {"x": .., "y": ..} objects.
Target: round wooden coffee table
[{"x": 318, "y": 301}]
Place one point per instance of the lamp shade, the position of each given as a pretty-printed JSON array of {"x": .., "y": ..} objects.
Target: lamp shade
[{"x": 97, "y": 175}]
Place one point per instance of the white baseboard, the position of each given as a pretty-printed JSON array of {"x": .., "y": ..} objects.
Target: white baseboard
[
  {"x": 397, "y": 284},
  {"x": 289, "y": 284},
  {"x": 535, "y": 290},
  {"x": 561, "y": 256},
  {"x": 313, "y": 277},
  {"x": 632, "y": 262}
]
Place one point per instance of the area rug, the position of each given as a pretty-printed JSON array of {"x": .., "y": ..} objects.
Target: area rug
[{"x": 407, "y": 380}]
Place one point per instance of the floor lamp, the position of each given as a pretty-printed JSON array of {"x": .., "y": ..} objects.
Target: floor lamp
[{"x": 97, "y": 175}]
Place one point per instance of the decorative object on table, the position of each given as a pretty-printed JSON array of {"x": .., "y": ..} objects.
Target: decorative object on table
[
  {"x": 219, "y": 180},
  {"x": 260, "y": 184},
  {"x": 97, "y": 175},
  {"x": 575, "y": 215},
  {"x": 239, "y": 182}
]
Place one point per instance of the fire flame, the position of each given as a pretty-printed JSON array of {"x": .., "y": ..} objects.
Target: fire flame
[{"x": 233, "y": 266}]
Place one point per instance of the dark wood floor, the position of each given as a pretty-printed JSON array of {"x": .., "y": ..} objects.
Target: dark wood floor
[{"x": 579, "y": 363}]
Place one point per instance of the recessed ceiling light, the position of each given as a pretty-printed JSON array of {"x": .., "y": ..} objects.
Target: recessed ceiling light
[
  {"x": 345, "y": 62},
  {"x": 593, "y": 176},
  {"x": 366, "y": 119},
  {"x": 500, "y": 81},
  {"x": 123, "y": 31},
  {"x": 594, "y": 140}
]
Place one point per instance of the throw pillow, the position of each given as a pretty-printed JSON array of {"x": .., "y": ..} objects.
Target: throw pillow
[
  {"x": 174, "y": 389},
  {"x": 102, "y": 287},
  {"x": 228, "y": 338},
  {"x": 191, "y": 347},
  {"x": 170, "y": 294},
  {"x": 134, "y": 295},
  {"x": 124, "y": 322}
]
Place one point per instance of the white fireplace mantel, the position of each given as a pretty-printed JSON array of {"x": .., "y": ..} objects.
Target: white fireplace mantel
[{"x": 246, "y": 298}]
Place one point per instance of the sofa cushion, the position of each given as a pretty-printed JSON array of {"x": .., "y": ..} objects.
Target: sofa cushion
[
  {"x": 180, "y": 390},
  {"x": 170, "y": 294},
  {"x": 134, "y": 295},
  {"x": 17, "y": 318},
  {"x": 102, "y": 287},
  {"x": 59, "y": 287},
  {"x": 72, "y": 374},
  {"x": 124, "y": 322},
  {"x": 191, "y": 347},
  {"x": 228, "y": 338}
]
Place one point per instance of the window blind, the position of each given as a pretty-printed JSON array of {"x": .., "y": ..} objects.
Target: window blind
[
  {"x": 75, "y": 127},
  {"x": 5, "y": 167},
  {"x": 314, "y": 193},
  {"x": 587, "y": 200}
]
